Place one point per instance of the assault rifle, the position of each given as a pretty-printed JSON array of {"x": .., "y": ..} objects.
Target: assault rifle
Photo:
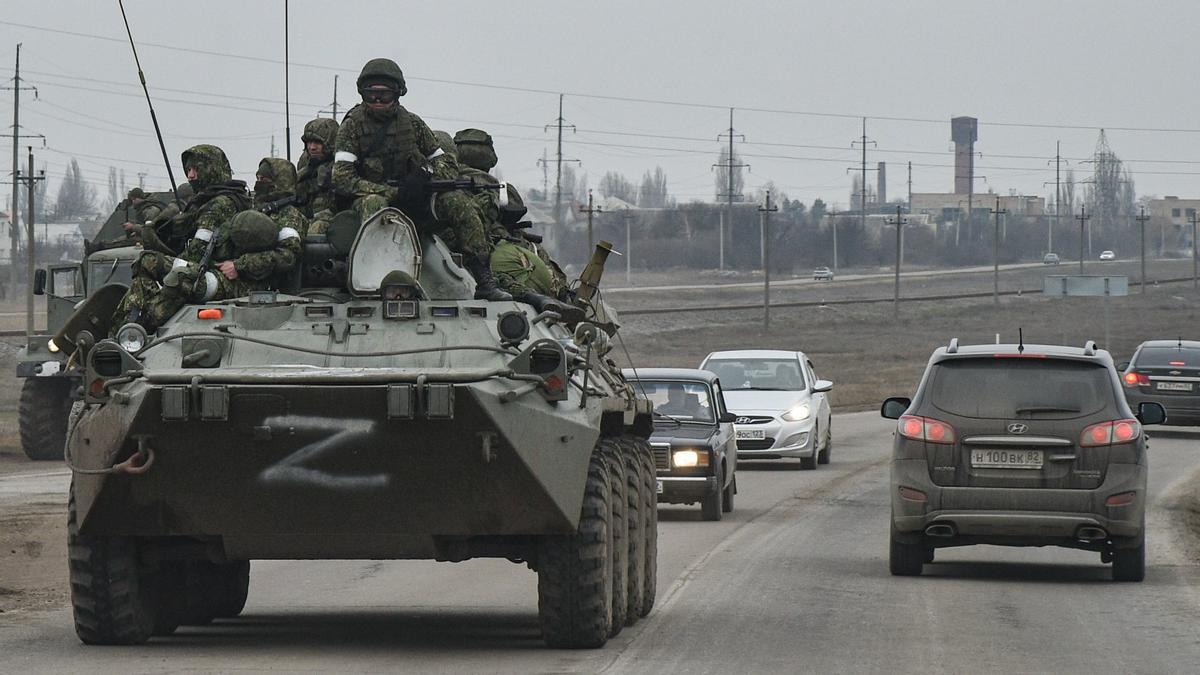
[{"x": 277, "y": 205}]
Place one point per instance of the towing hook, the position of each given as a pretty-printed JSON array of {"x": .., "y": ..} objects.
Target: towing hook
[{"x": 139, "y": 462}]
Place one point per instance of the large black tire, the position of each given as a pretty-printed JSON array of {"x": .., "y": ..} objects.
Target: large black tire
[
  {"x": 231, "y": 588},
  {"x": 905, "y": 559},
  {"x": 650, "y": 506},
  {"x": 114, "y": 599},
  {"x": 619, "y": 551},
  {"x": 42, "y": 413},
  {"x": 730, "y": 491},
  {"x": 823, "y": 456},
  {"x": 635, "y": 511},
  {"x": 712, "y": 506},
  {"x": 575, "y": 571},
  {"x": 1129, "y": 564}
]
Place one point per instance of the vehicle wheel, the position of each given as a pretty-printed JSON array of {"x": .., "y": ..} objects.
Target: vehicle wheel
[
  {"x": 712, "y": 505},
  {"x": 650, "y": 506},
  {"x": 231, "y": 588},
  {"x": 113, "y": 598},
  {"x": 635, "y": 498},
  {"x": 727, "y": 499},
  {"x": 809, "y": 463},
  {"x": 575, "y": 571},
  {"x": 827, "y": 449},
  {"x": 619, "y": 550},
  {"x": 1129, "y": 564},
  {"x": 904, "y": 559},
  {"x": 42, "y": 413}
]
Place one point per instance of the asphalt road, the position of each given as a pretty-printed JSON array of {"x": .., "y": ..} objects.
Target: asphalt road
[{"x": 795, "y": 580}]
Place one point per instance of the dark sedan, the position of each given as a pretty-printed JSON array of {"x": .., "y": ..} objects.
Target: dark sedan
[
  {"x": 1166, "y": 372},
  {"x": 695, "y": 453}
]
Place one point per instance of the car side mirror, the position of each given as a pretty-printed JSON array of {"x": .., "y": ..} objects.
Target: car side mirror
[
  {"x": 1122, "y": 366},
  {"x": 728, "y": 417},
  {"x": 822, "y": 385},
  {"x": 39, "y": 282},
  {"x": 1151, "y": 413},
  {"x": 894, "y": 407}
]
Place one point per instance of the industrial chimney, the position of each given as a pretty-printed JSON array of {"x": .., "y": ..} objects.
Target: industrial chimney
[
  {"x": 881, "y": 192},
  {"x": 964, "y": 131}
]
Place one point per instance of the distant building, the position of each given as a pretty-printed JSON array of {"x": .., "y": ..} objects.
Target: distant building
[
  {"x": 1174, "y": 210},
  {"x": 949, "y": 206}
]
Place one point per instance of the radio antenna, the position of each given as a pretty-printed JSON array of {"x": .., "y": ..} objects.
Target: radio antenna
[
  {"x": 287, "y": 109},
  {"x": 1020, "y": 340},
  {"x": 153, "y": 118}
]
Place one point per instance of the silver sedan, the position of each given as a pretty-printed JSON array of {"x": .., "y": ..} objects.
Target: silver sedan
[{"x": 782, "y": 407}]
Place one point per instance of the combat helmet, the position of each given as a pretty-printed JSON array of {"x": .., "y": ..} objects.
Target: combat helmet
[
  {"x": 253, "y": 231},
  {"x": 474, "y": 148},
  {"x": 212, "y": 167},
  {"x": 382, "y": 71},
  {"x": 322, "y": 130},
  {"x": 445, "y": 141}
]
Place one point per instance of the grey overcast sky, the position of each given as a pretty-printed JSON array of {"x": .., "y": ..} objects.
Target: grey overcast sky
[{"x": 800, "y": 74}]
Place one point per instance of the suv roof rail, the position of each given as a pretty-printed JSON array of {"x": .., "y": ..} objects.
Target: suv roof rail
[
  {"x": 1089, "y": 348},
  {"x": 953, "y": 348}
]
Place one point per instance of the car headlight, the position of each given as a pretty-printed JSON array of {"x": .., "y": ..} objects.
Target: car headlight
[
  {"x": 131, "y": 337},
  {"x": 800, "y": 411},
  {"x": 685, "y": 459}
]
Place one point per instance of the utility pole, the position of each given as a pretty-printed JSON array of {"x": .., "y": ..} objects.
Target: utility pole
[
  {"x": 1142, "y": 218},
  {"x": 142, "y": 180},
  {"x": 910, "y": 187},
  {"x": 273, "y": 147},
  {"x": 1083, "y": 217},
  {"x": 765, "y": 245},
  {"x": 864, "y": 141},
  {"x": 333, "y": 106},
  {"x": 899, "y": 223},
  {"x": 30, "y": 180},
  {"x": 14, "y": 238},
  {"x": 727, "y": 217},
  {"x": 1058, "y": 162},
  {"x": 996, "y": 212},
  {"x": 559, "y": 122},
  {"x": 833, "y": 218},
  {"x": 627, "y": 216},
  {"x": 1193, "y": 218},
  {"x": 589, "y": 211},
  {"x": 545, "y": 176}
]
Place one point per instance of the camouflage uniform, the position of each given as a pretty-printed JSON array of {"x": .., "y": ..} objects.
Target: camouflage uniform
[
  {"x": 375, "y": 147},
  {"x": 273, "y": 194},
  {"x": 516, "y": 272},
  {"x": 314, "y": 187}
]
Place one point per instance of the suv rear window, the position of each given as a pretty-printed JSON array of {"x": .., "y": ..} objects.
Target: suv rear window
[
  {"x": 1168, "y": 356},
  {"x": 1020, "y": 388}
]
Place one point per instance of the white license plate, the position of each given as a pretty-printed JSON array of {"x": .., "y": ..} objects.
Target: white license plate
[
  {"x": 1006, "y": 459},
  {"x": 1173, "y": 386},
  {"x": 751, "y": 434},
  {"x": 658, "y": 486}
]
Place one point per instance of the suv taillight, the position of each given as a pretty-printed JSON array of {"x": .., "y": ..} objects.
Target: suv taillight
[
  {"x": 926, "y": 429},
  {"x": 1132, "y": 379},
  {"x": 1107, "y": 433}
]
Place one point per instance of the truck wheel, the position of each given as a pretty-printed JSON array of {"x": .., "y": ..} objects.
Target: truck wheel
[
  {"x": 650, "y": 507},
  {"x": 1129, "y": 564},
  {"x": 231, "y": 585},
  {"x": 114, "y": 600},
  {"x": 634, "y": 499},
  {"x": 727, "y": 500},
  {"x": 713, "y": 505},
  {"x": 42, "y": 414},
  {"x": 575, "y": 571},
  {"x": 904, "y": 559},
  {"x": 619, "y": 551}
]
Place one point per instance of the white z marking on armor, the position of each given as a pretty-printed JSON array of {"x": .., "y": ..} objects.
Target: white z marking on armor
[{"x": 292, "y": 470}]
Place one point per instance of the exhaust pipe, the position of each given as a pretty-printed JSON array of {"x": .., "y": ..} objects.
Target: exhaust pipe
[
  {"x": 1091, "y": 534},
  {"x": 940, "y": 530}
]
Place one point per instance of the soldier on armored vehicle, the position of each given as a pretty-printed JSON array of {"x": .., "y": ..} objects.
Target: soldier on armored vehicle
[{"x": 314, "y": 182}]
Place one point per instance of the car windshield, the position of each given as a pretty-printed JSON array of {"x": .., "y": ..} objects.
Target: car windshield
[
  {"x": 780, "y": 374},
  {"x": 682, "y": 401},
  {"x": 1020, "y": 388},
  {"x": 1176, "y": 357}
]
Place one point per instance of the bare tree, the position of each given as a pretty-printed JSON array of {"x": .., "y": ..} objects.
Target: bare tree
[
  {"x": 114, "y": 191},
  {"x": 75, "y": 196},
  {"x": 614, "y": 184},
  {"x": 653, "y": 193}
]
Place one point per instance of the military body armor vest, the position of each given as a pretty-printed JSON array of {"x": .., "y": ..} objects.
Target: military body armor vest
[{"x": 389, "y": 146}]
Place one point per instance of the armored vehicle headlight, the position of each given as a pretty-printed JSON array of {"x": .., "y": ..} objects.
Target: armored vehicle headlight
[
  {"x": 132, "y": 337},
  {"x": 513, "y": 327},
  {"x": 51, "y": 346}
]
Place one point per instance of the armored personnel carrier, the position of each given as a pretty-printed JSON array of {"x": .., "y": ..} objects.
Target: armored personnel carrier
[{"x": 376, "y": 411}]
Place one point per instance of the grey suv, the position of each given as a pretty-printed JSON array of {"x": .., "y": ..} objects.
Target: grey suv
[{"x": 1019, "y": 445}]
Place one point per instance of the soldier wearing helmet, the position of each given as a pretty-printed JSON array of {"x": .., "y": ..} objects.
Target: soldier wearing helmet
[
  {"x": 314, "y": 187},
  {"x": 386, "y": 155}
]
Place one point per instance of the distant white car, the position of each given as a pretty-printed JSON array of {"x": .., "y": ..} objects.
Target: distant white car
[
  {"x": 1108, "y": 255},
  {"x": 823, "y": 274},
  {"x": 782, "y": 407}
]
